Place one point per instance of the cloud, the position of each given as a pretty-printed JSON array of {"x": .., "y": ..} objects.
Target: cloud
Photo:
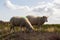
[
  {"x": 9, "y": 5},
  {"x": 39, "y": 9},
  {"x": 50, "y": 9},
  {"x": 44, "y": 9},
  {"x": 57, "y": 5},
  {"x": 57, "y": 1}
]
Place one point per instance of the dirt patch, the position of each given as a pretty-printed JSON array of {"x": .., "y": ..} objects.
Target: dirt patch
[{"x": 33, "y": 36}]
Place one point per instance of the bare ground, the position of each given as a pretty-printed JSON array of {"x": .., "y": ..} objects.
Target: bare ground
[{"x": 32, "y": 36}]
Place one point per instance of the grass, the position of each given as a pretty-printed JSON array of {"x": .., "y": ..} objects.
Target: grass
[
  {"x": 5, "y": 29},
  {"x": 44, "y": 28}
]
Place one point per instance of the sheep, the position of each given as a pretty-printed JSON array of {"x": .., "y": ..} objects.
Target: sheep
[
  {"x": 20, "y": 21},
  {"x": 37, "y": 20}
]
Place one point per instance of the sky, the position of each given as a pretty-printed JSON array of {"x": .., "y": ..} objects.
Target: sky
[{"x": 49, "y": 8}]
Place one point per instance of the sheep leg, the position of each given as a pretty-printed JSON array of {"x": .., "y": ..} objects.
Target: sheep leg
[
  {"x": 21, "y": 24},
  {"x": 12, "y": 28}
]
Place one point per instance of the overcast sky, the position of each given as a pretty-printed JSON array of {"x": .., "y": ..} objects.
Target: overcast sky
[{"x": 50, "y": 8}]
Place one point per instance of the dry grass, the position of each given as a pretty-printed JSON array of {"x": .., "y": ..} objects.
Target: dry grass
[{"x": 5, "y": 29}]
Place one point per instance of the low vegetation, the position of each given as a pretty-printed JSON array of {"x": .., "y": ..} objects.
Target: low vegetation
[{"x": 5, "y": 29}]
